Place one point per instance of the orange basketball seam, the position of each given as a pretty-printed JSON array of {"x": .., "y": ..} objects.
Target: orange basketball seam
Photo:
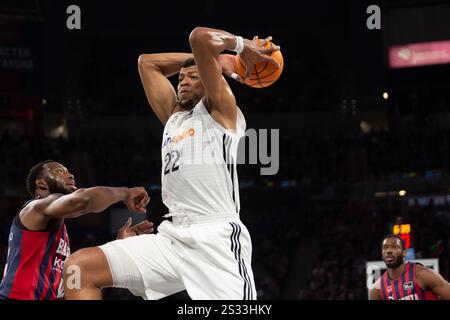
[
  {"x": 257, "y": 76},
  {"x": 265, "y": 76},
  {"x": 264, "y": 68}
]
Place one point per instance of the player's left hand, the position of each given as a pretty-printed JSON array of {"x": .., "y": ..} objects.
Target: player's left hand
[
  {"x": 255, "y": 51},
  {"x": 228, "y": 64},
  {"x": 127, "y": 230}
]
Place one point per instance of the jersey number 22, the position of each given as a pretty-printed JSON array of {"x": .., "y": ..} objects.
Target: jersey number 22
[{"x": 171, "y": 157}]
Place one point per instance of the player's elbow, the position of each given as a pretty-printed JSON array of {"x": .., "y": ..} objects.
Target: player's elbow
[
  {"x": 142, "y": 61},
  {"x": 197, "y": 36},
  {"x": 146, "y": 61}
]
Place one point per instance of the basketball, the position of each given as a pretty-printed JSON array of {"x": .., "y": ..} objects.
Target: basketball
[{"x": 264, "y": 73}]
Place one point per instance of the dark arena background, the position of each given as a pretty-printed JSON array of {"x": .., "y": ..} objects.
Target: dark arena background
[{"x": 363, "y": 119}]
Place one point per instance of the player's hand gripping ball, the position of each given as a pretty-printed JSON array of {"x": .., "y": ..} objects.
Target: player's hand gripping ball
[{"x": 263, "y": 73}]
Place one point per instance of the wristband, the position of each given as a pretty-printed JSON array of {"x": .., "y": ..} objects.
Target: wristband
[{"x": 239, "y": 45}]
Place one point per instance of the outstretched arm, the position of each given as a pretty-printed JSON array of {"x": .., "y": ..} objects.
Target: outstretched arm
[
  {"x": 154, "y": 69},
  {"x": 206, "y": 45},
  {"x": 90, "y": 200},
  {"x": 433, "y": 280}
]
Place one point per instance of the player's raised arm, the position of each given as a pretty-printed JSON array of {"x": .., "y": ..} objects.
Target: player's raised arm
[
  {"x": 206, "y": 45},
  {"x": 154, "y": 69},
  {"x": 433, "y": 280},
  {"x": 90, "y": 200}
]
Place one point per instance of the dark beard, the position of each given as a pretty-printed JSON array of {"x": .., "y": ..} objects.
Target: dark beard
[
  {"x": 395, "y": 264},
  {"x": 188, "y": 105},
  {"x": 54, "y": 187}
]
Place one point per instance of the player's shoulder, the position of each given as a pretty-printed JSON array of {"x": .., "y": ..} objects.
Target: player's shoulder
[
  {"x": 40, "y": 203},
  {"x": 420, "y": 268},
  {"x": 425, "y": 275},
  {"x": 424, "y": 272}
]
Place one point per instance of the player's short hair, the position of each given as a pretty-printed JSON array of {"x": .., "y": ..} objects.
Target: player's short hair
[
  {"x": 397, "y": 237},
  {"x": 33, "y": 174},
  {"x": 188, "y": 62}
]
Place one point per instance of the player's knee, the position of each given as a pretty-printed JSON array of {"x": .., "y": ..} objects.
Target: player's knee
[
  {"x": 92, "y": 266},
  {"x": 80, "y": 262},
  {"x": 75, "y": 264}
]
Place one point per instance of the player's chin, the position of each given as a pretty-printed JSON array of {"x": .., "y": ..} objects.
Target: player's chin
[
  {"x": 391, "y": 264},
  {"x": 71, "y": 188},
  {"x": 187, "y": 103}
]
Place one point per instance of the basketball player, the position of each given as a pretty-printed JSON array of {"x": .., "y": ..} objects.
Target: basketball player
[
  {"x": 38, "y": 241},
  {"x": 406, "y": 280},
  {"x": 205, "y": 249}
]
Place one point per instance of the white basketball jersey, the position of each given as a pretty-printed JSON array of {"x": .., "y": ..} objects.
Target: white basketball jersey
[{"x": 199, "y": 175}]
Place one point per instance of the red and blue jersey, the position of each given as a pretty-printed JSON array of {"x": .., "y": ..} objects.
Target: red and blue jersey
[
  {"x": 405, "y": 287},
  {"x": 34, "y": 264}
]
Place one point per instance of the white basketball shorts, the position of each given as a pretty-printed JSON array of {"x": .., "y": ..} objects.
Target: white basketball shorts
[{"x": 210, "y": 258}]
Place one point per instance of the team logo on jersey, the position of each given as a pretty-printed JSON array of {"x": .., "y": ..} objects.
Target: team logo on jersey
[
  {"x": 408, "y": 285},
  {"x": 11, "y": 235},
  {"x": 177, "y": 138}
]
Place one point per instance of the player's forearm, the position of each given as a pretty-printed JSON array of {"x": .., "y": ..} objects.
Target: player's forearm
[
  {"x": 80, "y": 202},
  {"x": 212, "y": 39},
  {"x": 100, "y": 198},
  {"x": 167, "y": 63}
]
